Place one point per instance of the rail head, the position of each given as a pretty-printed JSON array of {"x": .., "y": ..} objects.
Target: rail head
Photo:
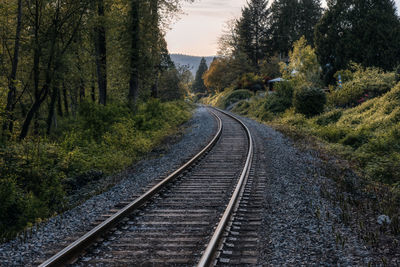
[
  {"x": 75, "y": 249},
  {"x": 210, "y": 252}
]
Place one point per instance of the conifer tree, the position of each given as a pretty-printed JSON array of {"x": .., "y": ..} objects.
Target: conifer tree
[
  {"x": 252, "y": 31},
  {"x": 309, "y": 13},
  {"x": 365, "y": 32},
  {"x": 198, "y": 84},
  {"x": 290, "y": 20},
  {"x": 282, "y": 26}
]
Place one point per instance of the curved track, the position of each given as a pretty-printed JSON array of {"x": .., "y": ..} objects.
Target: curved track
[{"x": 181, "y": 220}]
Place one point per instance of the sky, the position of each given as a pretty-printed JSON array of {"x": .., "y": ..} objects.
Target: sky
[{"x": 197, "y": 31}]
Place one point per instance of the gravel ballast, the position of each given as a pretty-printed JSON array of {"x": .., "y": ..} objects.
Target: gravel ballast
[
  {"x": 199, "y": 131},
  {"x": 300, "y": 226}
]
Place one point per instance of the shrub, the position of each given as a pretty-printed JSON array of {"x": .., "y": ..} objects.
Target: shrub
[
  {"x": 16, "y": 208},
  {"x": 364, "y": 84},
  {"x": 95, "y": 119},
  {"x": 309, "y": 101},
  {"x": 329, "y": 117},
  {"x": 242, "y": 107},
  {"x": 331, "y": 133},
  {"x": 281, "y": 99},
  {"x": 250, "y": 82},
  {"x": 355, "y": 139},
  {"x": 235, "y": 96},
  {"x": 36, "y": 174}
]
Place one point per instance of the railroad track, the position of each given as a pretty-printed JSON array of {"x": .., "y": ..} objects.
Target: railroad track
[{"x": 205, "y": 213}]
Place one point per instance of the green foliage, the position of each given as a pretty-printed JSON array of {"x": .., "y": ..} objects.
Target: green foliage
[
  {"x": 303, "y": 64},
  {"x": 170, "y": 86},
  {"x": 198, "y": 84},
  {"x": 360, "y": 85},
  {"x": 309, "y": 101},
  {"x": 372, "y": 39},
  {"x": 235, "y": 96},
  {"x": 15, "y": 207},
  {"x": 36, "y": 174},
  {"x": 368, "y": 134},
  {"x": 281, "y": 99},
  {"x": 250, "y": 81},
  {"x": 287, "y": 13},
  {"x": 329, "y": 117},
  {"x": 250, "y": 30}
]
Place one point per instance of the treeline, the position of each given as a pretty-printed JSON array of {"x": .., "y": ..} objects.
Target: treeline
[
  {"x": 365, "y": 32},
  {"x": 85, "y": 90},
  {"x": 54, "y": 54}
]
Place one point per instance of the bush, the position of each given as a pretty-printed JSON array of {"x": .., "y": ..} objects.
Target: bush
[
  {"x": 309, "y": 101},
  {"x": 329, "y": 117},
  {"x": 331, "y": 134},
  {"x": 95, "y": 119},
  {"x": 36, "y": 174},
  {"x": 281, "y": 99},
  {"x": 250, "y": 82},
  {"x": 362, "y": 85},
  {"x": 356, "y": 139},
  {"x": 242, "y": 107},
  {"x": 235, "y": 96}
]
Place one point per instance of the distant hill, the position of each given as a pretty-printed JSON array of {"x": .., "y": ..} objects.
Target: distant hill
[{"x": 191, "y": 61}]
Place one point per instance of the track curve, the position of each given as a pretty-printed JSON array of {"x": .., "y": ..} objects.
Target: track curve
[{"x": 174, "y": 221}]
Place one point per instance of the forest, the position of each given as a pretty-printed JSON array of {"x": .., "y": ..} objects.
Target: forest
[
  {"x": 86, "y": 89},
  {"x": 337, "y": 87}
]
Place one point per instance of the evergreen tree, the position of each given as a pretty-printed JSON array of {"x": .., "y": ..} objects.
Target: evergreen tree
[
  {"x": 309, "y": 13},
  {"x": 291, "y": 19},
  {"x": 198, "y": 84},
  {"x": 366, "y": 32},
  {"x": 252, "y": 31},
  {"x": 282, "y": 22}
]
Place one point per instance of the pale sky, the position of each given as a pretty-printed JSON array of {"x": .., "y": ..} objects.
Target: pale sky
[{"x": 196, "y": 32}]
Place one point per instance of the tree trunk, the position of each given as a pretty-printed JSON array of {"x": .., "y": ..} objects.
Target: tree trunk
[
  {"x": 12, "y": 89},
  {"x": 59, "y": 104},
  {"x": 53, "y": 98},
  {"x": 93, "y": 87},
  {"x": 154, "y": 88},
  {"x": 155, "y": 46},
  {"x": 135, "y": 56},
  {"x": 32, "y": 113},
  {"x": 101, "y": 55},
  {"x": 66, "y": 108}
]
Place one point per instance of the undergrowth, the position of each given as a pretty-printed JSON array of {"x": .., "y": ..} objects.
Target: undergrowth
[{"x": 37, "y": 174}]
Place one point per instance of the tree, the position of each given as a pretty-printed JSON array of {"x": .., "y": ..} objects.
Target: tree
[
  {"x": 12, "y": 90},
  {"x": 101, "y": 52},
  {"x": 303, "y": 65},
  {"x": 252, "y": 31},
  {"x": 198, "y": 84},
  {"x": 365, "y": 32},
  {"x": 50, "y": 45},
  {"x": 291, "y": 19},
  {"x": 134, "y": 53},
  {"x": 282, "y": 26},
  {"x": 218, "y": 77},
  {"x": 309, "y": 13}
]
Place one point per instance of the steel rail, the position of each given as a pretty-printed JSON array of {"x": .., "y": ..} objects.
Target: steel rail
[
  {"x": 73, "y": 250},
  {"x": 209, "y": 253}
]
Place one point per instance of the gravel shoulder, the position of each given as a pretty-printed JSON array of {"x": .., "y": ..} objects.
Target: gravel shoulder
[
  {"x": 198, "y": 132},
  {"x": 301, "y": 226}
]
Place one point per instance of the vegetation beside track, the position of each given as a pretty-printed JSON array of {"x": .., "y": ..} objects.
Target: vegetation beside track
[{"x": 39, "y": 172}]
